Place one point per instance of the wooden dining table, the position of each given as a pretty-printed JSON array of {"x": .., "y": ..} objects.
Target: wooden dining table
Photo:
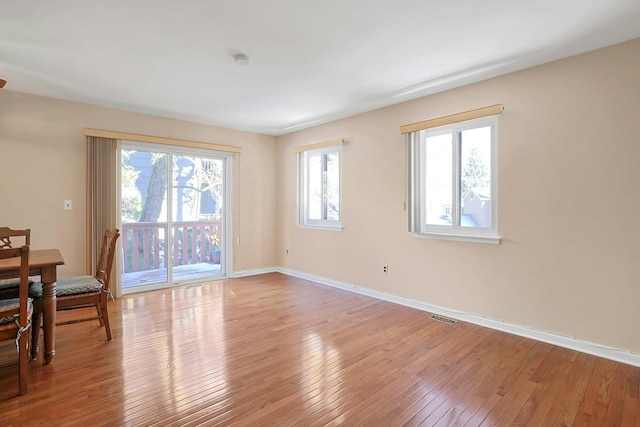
[{"x": 42, "y": 262}]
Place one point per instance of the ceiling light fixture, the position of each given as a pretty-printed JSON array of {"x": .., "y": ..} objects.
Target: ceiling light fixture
[{"x": 241, "y": 59}]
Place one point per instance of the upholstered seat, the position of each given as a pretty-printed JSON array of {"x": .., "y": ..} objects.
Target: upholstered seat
[
  {"x": 10, "y": 288},
  {"x": 10, "y": 284},
  {"x": 11, "y": 304},
  {"x": 69, "y": 286},
  {"x": 81, "y": 291}
]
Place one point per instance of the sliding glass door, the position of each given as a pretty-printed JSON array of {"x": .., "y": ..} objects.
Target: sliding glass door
[
  {"x": 174, "y": 215},
  {"x": 144, "y": 229},
  {"x": 197, "y": 229}
]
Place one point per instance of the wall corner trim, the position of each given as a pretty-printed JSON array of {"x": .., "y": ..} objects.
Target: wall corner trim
[{"x": 594, "y": 349}]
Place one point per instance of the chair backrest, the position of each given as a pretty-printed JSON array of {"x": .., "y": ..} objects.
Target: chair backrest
[
  {"x": 23, "y": 253},
  {"x": 7, "y": 233},
  {"x": 107, "y": 255}
]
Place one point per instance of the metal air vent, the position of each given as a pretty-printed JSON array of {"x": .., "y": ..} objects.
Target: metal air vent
[{"x": 444, "y": 319}]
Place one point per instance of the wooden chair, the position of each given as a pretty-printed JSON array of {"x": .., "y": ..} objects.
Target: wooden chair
[
  {"x": 9, "y": 287},
  {"x": 81, "y": 292},
  {"x": 16, "y": 314},
  {"x": 7, "y": 233}
]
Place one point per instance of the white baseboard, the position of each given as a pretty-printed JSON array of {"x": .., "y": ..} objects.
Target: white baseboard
[
  {"x": 618, "y": 355},
  {"x": 245, "y": 273}
]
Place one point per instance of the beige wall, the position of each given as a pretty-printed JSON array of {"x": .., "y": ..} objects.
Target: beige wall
[
  {"x": 568, "y": 196},
  {"x": 569, "y": 204},
  {"x": 43, "y": 162}
]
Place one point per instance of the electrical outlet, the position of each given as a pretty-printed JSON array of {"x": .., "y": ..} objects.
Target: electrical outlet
[
  {"x": 385, "y": 269},
  {"x": 286, "y": 251},
  {"x": 68, "y": 205}
]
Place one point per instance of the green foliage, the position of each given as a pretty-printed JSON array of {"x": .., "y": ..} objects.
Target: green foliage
[
  {"x": 474, "y": 172},
  {"x": 131, "y": 197}
]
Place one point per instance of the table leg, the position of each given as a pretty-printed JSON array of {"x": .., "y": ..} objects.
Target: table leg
[{"x": 49, "y": 313}]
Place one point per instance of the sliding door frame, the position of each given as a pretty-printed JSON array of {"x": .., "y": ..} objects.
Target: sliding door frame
[{"x": 227, "y": 212}]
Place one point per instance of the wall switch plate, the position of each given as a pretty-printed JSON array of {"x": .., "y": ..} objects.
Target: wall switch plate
[{"x": 68, "y": 205}]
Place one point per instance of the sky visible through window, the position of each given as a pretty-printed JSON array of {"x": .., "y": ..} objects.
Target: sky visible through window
[
  {"x": 324, "y": 187},
  {"x": 475, "y": 179}
]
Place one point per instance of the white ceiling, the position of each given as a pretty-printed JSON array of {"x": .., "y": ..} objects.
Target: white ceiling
[{"x": 311, "y": 61}]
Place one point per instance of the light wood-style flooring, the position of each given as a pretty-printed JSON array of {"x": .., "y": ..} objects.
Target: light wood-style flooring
[{"x": 277, "y": 350}]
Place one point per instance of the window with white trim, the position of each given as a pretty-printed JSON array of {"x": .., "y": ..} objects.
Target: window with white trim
[
  {"x": 319, "y": 187},
  {"x": 453, "y": 181}
]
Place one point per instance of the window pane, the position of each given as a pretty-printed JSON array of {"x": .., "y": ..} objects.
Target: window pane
[
  {"x": 144, "y": 217},
  {"x": 439, "y": 179},
  {"x": 314, "y": 191},
  {"x": 475, "y": 177},
  {"x": 333, "y": 186}
]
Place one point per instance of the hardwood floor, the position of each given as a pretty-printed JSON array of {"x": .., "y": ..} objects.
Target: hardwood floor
[{"x": 276, "y": 350}]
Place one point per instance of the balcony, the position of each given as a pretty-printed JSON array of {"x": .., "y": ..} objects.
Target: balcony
[{"x": 195, "y": 251}]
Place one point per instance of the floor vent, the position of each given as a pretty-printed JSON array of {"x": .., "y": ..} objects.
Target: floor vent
[{"x": 444, "y": 319}]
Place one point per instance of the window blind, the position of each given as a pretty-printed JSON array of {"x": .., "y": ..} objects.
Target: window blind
[
  {"x": 160, "y": 140},
  {"x": 330, "y": 143},
  {"x": 453, "y": 118}
]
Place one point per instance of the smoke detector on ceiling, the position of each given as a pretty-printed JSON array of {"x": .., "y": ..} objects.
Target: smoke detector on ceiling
[{"x": 241, "y": 59}]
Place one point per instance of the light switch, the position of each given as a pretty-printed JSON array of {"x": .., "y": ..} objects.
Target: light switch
[{"x": 67, "y": 205}]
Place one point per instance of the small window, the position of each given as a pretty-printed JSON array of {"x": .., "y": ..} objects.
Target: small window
[
  {"x": 319, "y": 187},
  {"x": 453, "y": 181}
]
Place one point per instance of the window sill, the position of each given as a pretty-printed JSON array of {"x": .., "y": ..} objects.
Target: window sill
[
  {"x": 491, "y": 240},
  {"x": 322, "y": 227}
]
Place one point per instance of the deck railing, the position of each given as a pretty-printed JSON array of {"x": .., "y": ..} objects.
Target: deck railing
[{"x": 144, "y": 244}]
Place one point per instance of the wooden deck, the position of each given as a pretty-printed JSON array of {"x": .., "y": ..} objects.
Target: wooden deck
[
  {"x": 181, "y": 273},
  {"x": 280, "y": 351}
]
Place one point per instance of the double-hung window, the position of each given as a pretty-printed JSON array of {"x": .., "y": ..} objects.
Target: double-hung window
[
  {"x": 319, "y": 187},
  {"x": 453, "y": 181}
]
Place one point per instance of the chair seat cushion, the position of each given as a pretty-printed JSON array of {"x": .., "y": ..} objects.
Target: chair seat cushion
[
  {"x": 69, "y": 286},
  {"x": 9, "y": 283},
  {"x": 11, "y": 304},
  {"x": 14, "y": 283}
]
